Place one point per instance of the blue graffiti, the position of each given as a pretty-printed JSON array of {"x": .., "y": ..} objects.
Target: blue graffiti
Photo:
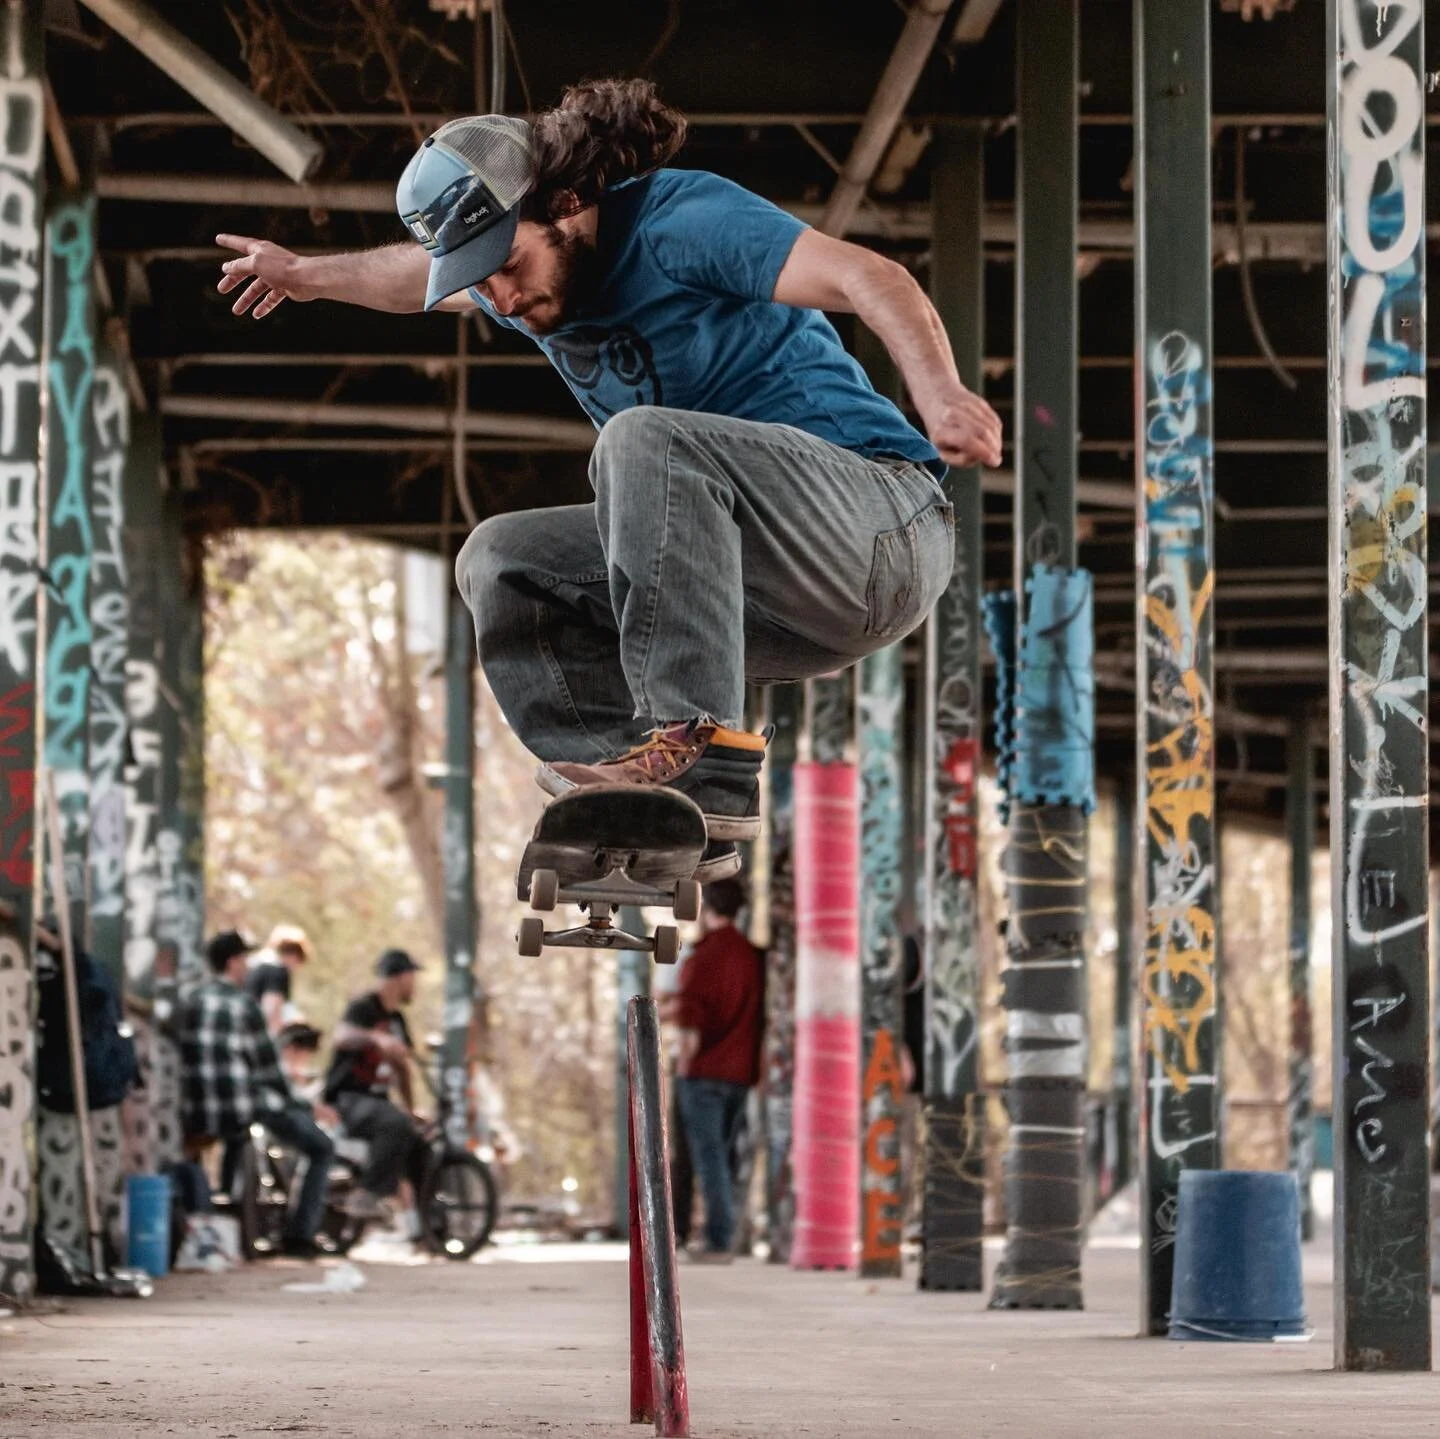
[{"x": 71, "y": 242}]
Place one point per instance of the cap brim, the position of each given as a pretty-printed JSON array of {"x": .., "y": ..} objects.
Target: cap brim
[{"x": 474, "y": 261}]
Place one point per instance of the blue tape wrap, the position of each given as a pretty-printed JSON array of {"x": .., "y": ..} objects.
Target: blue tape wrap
[{"x": 1054, "y": 702}]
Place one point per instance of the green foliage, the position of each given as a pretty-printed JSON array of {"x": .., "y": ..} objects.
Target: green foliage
[{"x": 301, "y": 710}]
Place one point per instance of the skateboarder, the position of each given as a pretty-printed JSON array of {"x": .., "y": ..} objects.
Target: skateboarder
[{"x": 760, "y": 512}]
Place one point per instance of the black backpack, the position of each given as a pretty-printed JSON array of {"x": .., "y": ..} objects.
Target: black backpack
[{"x": 110, "y": 1065}]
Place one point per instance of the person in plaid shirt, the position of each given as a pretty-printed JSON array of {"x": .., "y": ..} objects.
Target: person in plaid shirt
[{"x": 231, "y": 1078}]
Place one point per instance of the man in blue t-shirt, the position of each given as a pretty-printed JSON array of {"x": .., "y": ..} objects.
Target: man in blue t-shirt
[{"x": 760, "y": 512}]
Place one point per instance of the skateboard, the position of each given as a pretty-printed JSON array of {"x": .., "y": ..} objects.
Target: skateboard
[{"x": 605, "y": 846}]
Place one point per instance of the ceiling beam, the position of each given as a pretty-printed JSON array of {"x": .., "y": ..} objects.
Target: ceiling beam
[
  {"x": 974, "y": 21},
  {"x": 892, "y": 95},
  {"x": 294, "y": 153}
]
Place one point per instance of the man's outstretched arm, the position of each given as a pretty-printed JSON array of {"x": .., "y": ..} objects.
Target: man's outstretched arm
[
  {"x": 392, "y": 278},
  {"x": 823, "y": 273}
]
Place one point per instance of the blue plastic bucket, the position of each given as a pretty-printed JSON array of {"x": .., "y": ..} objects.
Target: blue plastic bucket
[
  {"x": 148, "y": 1232},
  {"x": 1237, "y": 1257}
]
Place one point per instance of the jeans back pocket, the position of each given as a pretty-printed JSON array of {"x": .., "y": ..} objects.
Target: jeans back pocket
[{"x": 890, "y": 594}]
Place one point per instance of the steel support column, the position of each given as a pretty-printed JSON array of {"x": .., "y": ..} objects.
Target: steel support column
[
  {"x": 1379, "y": 833},
  {"x": 143, "y": 708},
  {"x": 1122, "y": 1066},
  {"x": 190, "y": 892},
  {"x": 110, "y": 631},
  {"x": 779, "y": 1054},
  {"x": 1300, "y": 822},
  {"x": 1045, "y": 854},
  {"x": 882, "y": 698},
  {"x": 22, "y": 161},
  {"x": 462, "y": 916},
  {"x": 1180, "y": 1076},
  {"x": 69, "y": 353},
  {"x": 952, "y": 1215}
]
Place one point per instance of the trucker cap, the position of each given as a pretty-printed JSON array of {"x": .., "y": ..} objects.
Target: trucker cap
[
  {"x": 460, "y": 198},
  {"x": 393, "y": 962}
]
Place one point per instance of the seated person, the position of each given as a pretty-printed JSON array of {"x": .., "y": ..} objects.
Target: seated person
[
  {"x": 299, "y": 1046},
  {"x": 372, "y": 1054},
  {"x": 271, "y": 971},
  {"x": 231, "y": 1078}
]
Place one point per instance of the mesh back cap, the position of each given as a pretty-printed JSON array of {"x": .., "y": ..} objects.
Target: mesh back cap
[{"x": 460, "y": 198}]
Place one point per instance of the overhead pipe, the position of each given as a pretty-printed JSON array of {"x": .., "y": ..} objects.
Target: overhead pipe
[
  {"x": 417, "y": 419},
  {"x": 1298, "y": 240},
  {"x": 294, "y": 153},
  {"x": 897, "y": 84}
]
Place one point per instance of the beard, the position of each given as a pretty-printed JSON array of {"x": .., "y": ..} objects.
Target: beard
[{"x": 576, "y": 278}]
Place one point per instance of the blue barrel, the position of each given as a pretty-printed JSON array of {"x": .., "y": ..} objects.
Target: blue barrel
[
  {"x": 1237, "y": 1257},
  {"x": 148, "y": 1232}
]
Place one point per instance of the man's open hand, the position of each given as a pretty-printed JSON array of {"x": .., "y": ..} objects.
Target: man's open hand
[
  {"x": 273, "y": 272},
  {"x": 965, "y": 430}
]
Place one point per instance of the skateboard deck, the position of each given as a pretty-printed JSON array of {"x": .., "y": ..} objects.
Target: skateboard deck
[{"x": 606, "y": 846}]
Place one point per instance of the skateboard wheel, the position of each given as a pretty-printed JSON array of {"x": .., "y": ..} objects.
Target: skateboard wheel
[
  {"x": 687, "y": 900},
  {"x": 544, "y": 890},
  {"x": 667, "y": 944},
  {"x": 532, "y": 937}
]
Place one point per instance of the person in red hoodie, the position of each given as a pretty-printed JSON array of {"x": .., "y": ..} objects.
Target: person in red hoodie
[{"x": 719, "y": 1008}]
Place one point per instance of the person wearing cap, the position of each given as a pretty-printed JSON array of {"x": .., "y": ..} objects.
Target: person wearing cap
[
  {"x": 231, "y": 1078},
  {"x": 372, "y": 1057},
  {"x": 272, "y": 970},
  {"x": 760, "y": 514}
]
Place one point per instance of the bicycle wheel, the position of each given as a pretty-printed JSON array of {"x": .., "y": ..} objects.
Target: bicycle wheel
[
  {"x": 458, "y": 1207},
  {"x": 339, "y": 1231},
  {"x": 246, "y": 1199}
]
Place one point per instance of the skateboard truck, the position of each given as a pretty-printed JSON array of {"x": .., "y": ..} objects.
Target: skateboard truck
[{"x": 600, "y": 898}]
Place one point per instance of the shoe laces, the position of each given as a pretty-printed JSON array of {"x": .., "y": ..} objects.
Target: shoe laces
[{"x": 664, "y": 750}]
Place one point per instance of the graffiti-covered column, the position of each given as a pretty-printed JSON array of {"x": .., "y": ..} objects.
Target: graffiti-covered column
[
  {"x": 190, "y": 917},
  {"x": 1179, "y": 1091},
  {"x": 67, "y": 447},
  {"x": 171, "y": 938},
  {"x": 1048, "y": 777},
  {"x": 954, "y": 1188},
  {"x": 1300, "y": 821},
  {"x": 827, "y": 980},
  {"x": 882, "y": 701},
  {"x": 22, "y": 178},
  {"x": 458, "y": 852},
  {"x": 1379, "y": 776},
  {"x": 110, "y": 641},
  {"x": 779, "y": 1054},
  {"x": 142, "y": 777},
  {"x": 69, "y": 533}
]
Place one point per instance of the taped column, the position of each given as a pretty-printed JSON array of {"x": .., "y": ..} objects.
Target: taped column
[{"x": 826, "y": 1156}]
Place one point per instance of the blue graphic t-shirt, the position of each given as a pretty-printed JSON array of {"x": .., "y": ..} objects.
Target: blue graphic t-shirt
[{"x": 683, "y": 317}]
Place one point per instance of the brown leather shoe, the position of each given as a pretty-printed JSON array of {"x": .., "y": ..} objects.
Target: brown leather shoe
[{"x": 718, "y": 768}]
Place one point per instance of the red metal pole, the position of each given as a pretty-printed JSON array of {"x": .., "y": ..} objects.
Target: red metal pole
[
  {"x": 650, "y": 1171},
  {"x": 642, "y": 1398}
]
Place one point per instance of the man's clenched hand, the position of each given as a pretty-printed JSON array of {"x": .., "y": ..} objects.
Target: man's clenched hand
[
  {"x": 964, "y": 429},
  {"x": 274, "y": 274}
]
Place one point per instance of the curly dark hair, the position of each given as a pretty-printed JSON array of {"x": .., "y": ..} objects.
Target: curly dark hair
[{"x": 601, "y": 132}]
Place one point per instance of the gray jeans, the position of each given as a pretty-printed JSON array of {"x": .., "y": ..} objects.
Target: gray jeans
[{"x": 717, "y": 551}]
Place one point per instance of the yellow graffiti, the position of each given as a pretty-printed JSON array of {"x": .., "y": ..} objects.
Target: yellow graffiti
[
  {"x": 1165, "y": 1015},
  {"x": 1374, "y": 541},
  {"x": 1177, "y": 772}
]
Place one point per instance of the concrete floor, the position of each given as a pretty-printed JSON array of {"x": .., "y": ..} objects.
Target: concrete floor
[{"x": 531, "y": 1342}]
